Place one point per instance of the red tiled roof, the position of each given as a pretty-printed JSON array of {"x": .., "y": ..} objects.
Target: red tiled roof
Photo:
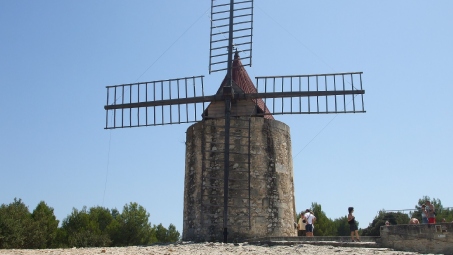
[{"x": 243, "y": 81}]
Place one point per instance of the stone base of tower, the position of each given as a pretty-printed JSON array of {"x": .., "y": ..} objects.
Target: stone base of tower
[{"x": 261, "y": 188}]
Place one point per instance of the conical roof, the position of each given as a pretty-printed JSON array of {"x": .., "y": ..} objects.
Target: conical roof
[{"x": 242, "y": 84}]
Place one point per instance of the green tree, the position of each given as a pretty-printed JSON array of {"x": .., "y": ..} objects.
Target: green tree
[
  {"x": 87, "y": 228},
  {"x": 446, "y": 214},
  {"x": 164, "y": 235},
  {"x": 342, "y": 226},
  {"x": 323, "y": 225},
  {"x": 75, "y": 226},
  {"x": 161, "y": 234},
  {"x": 393, "y": 218},
  {"x": 44, "y": 227},
  {"x": 15, "y": 225},
  {"x": 103, "y": 222},
  {"x": 61, "y": 239},
  {"x": 172, "y": 234},
  {"x": 134, "y": 227},
  {"x": 95, "y": 227}
]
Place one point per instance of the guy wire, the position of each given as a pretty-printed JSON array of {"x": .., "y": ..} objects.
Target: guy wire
[{"x": 116, "y": 99}]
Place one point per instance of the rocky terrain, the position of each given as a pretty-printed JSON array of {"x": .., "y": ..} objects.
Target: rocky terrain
[{"x": 210, "y": 249}]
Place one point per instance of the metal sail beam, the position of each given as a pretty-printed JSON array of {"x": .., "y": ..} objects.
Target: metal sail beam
[
  {"x": 182, "y": 100},
  {"x": 214, "y": 98}
]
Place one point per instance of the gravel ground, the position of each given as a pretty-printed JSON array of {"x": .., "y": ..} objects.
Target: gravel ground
[{"x": 210, "y": 249}]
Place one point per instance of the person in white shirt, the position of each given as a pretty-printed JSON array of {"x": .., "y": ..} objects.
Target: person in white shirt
[{"x": 310, "y": 218}]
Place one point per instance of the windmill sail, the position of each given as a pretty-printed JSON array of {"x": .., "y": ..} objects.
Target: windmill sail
[
  {"x": 182, "y": 100},
  {"x": 155, "y": 103},
  {"x": 220, "y": 29},
  {"x": 312, "y": 94}
]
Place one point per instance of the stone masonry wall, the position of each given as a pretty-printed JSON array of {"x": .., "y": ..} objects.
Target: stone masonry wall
[
  {"x": 423, "y": 238},
  {"x": 271, "y": 208}
]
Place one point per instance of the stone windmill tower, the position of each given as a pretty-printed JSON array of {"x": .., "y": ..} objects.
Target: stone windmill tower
[
  {"x": 239, "y": 171},
  {"x": 261, "y": 190}
]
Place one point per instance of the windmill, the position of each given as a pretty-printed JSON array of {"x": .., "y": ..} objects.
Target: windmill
[{"x": 237, "y": 101}]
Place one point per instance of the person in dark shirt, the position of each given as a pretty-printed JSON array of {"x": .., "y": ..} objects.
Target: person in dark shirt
[
  {"x": 353, "y": 225},
  {"x": 424, "y": 214}
]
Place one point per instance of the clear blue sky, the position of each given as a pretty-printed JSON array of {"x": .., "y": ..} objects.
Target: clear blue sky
[{"x": 56, "y": 57}]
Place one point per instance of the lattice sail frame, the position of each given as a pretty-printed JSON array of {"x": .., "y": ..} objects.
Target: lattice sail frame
[
  {"x": 182, "y": 100},
  {"x": 154, "y": 103},
  {"x": 220, "y": 28},
  {"x": 312, "y": 94}
]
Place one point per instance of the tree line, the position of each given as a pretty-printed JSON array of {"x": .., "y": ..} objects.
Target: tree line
[
  {"x": 325, "y": 226},
  {"x": 395, "y": 218},
  {"x": 94, "y": 227},
  {"x": 103, "y": 227}
]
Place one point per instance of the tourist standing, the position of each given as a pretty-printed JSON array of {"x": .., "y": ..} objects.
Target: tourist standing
[
  {"x": 424, "y": 214},
  {"x": 310, "y": 218},
  {"x": 301, "y": 225},
  {"x": 353, "y": 225},
  {"x": 431, "y": 213}
]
